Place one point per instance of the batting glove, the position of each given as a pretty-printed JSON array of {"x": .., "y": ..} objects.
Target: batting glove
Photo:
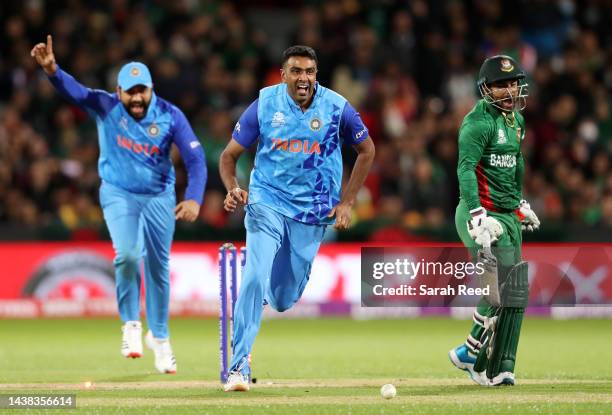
[
  {"x": 529, "y": 220},
  {"x": 483, "y": 229}
]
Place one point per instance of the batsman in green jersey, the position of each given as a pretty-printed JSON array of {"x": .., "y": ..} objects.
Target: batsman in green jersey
[{"x": 490, "y": 218}]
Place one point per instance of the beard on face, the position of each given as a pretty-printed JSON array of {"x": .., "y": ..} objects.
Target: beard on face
[{"x": 136, "y": 109}]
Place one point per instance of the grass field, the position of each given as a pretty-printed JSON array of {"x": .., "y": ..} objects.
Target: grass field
[{"x": 310, "y": 367}]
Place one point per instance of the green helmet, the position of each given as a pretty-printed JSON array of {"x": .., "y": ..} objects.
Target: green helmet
[{"x": 502, "y": 68}]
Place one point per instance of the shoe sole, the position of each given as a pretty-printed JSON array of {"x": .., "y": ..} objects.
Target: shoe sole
[
  {"x": 133, "y": 355},
  {"x": 238, "y": 388},
  {"x": 462, "y": 366}
]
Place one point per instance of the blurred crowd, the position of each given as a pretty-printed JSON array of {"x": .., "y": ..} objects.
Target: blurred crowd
[{"x": 409, "y": 67}]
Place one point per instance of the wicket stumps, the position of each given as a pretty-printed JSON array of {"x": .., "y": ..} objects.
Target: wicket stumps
[{"x": 228, "y": 265}]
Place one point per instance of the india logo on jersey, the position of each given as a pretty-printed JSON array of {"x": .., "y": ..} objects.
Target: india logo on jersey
[
  {"x": 278, "y": 119},
  {"x": 296, "y": 146},
  {"x": 501, "y": 137},
  {"x": 135, "y": 147}
]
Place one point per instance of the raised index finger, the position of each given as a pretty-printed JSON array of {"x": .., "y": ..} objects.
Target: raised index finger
[{"x": 49, "y": 44}]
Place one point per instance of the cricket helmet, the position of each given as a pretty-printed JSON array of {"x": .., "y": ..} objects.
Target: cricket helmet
[{"x": 502, "y": 68}]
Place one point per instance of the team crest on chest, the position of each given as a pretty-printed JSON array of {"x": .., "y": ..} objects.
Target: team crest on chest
[
  {"x": 278, "y": 119},
  {"x": 501, "y": 137},
  {"x": 153, "y": 130},
  {"x": 315, "y": 124}
]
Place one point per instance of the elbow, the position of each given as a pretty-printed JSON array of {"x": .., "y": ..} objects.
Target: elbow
[{"x": 368, "y": 151}]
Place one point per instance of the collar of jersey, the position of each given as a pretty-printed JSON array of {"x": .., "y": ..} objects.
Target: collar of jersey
[{"x": 296, "y": 108}]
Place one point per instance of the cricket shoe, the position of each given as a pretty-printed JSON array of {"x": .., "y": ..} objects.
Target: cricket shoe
[
  {"x": 504, "y": 378},
  {"x": 131, "y": 345},
  {"x": 236, "y": 382},
  {"x": 164, "y": 358},
  {"x": 460, "y": 357}
]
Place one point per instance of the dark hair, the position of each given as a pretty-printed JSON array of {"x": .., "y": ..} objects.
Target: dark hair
[{"x": 299, "y": 50}]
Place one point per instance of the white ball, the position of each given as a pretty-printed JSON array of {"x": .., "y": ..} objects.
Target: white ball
[{"x": 388, "y": 391}]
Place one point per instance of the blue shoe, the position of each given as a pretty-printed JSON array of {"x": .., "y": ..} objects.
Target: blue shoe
[{"x": 460, "y": 357}]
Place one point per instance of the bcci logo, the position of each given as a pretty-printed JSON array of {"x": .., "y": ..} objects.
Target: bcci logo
[
  {"x": 315, "y": 124},
  {"x": 153, "y": 130},
  {"x": 134, "y": 71},
  {"x": 506, "y": 66},
  {"x": 278, "y": 119}
]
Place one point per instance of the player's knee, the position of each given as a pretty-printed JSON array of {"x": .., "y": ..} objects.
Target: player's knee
[
  {"x": 129, "y": 258},
  {"x": 282, "y": 304}
]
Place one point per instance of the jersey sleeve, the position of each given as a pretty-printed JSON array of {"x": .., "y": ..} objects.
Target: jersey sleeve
[
  {"x": 193, "y": 156},
  {"x": 92, "y": 100},
  {"x": 520, "y": 161},
  {"x": 352, "y": 129},
  {"x": 246, "y": 131},
  {"x": 520, "y": 173},
  {"x": 472, "y": 141}
]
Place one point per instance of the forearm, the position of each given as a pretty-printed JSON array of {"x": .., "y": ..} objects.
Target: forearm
[
  {"x": 197, "y": 175},
  {"x": 227, "y": 171},
  {"x": 358, "y": 175},
  {"x": 468, "y": 186}
]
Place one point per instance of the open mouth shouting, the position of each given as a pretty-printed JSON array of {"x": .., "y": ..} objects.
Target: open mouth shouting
[
  {"x": 302, "y": 89},
  {"x": 137, "y": 109}
]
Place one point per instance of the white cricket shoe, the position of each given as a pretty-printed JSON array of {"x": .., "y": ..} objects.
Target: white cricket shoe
[
  {"x": 164, "y": 358},
  {"x": 131, "y": 346},
  {"x": 237, "y": 382},
  {"x": 504, "y": 378}
]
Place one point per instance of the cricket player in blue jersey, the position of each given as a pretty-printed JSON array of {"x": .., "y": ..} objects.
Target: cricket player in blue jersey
[
  {"x": 136, "y": 130},
  {"x": 294, "y": 191}
]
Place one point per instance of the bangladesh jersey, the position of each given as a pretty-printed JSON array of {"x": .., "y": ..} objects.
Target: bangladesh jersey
[{"x": 491, "y": 165}]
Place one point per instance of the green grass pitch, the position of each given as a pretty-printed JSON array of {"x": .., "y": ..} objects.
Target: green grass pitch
[{"x": 310, "y": 367}]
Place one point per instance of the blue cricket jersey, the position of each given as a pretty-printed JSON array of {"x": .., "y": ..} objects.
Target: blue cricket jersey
[
  {"x": 135, "y": 154},
  {"x": 298, "y": 165}
]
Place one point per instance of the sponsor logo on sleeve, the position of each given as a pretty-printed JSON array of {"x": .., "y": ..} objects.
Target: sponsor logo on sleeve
[{"x": 360, "y": 134}]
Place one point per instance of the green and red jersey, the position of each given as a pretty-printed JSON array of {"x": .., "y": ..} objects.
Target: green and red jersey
[{"x": 491, "y": 165}]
